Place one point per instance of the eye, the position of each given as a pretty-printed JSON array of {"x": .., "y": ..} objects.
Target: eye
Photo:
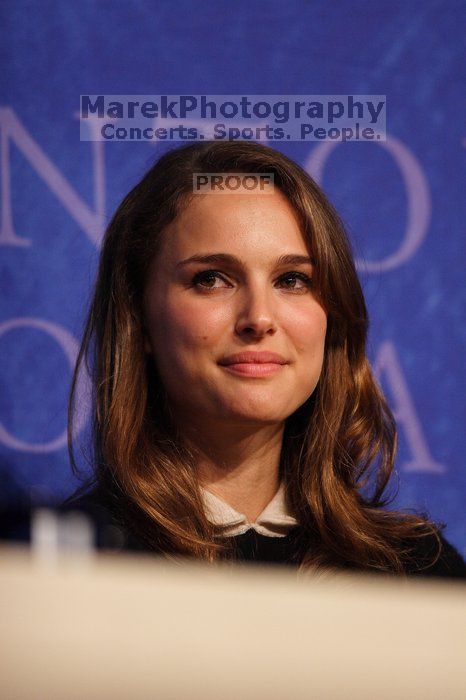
[
  {"x": 293, "y": 276},
  {"x": 206, "y": 275}
]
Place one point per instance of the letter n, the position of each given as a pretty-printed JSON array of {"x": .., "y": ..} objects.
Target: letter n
[{"x": 91, "y": 221}]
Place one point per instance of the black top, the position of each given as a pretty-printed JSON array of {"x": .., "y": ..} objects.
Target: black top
[{"x": 253, "y": 547}]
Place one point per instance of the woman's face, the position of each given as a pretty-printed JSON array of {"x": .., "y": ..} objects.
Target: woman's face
[{"x": 245, "y": 300}]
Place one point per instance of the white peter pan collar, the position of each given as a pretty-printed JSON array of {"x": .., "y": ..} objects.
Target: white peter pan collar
[{"x": 274, "y": 521}]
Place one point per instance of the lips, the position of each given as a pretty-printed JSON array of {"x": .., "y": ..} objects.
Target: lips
[{"x": 253, "y": 358}]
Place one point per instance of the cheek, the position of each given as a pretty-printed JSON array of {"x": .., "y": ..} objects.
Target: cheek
[
  {"x": 308, "y": 329},
  {"x": 185, "y": 325}
]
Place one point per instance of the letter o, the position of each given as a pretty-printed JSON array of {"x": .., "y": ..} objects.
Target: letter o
[
  {"x": 228, "y": 109},
  {"x": 70, "y": 347},
  {"x": 417, "y": 191},
  {"x": 254, "y": 182},
  {"x": 235, "y": 178}
]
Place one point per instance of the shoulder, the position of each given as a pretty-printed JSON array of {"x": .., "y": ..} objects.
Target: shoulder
[
  {"x": 434, "y": 555},
  {"x": 110, "y": 531},
  {"x": 93, "y": 502}
]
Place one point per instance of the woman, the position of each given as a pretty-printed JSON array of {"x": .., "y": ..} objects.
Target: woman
[{"x": 235, "y": 412}]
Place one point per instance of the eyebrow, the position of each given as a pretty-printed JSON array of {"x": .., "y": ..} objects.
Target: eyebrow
[{"x": 226, "y": 258}]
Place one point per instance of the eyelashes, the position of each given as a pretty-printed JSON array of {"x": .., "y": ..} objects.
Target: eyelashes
[{"x": 201, "y": 277}]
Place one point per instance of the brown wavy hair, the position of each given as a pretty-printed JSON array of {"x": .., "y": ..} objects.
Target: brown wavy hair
[{"x": 338, "y": 448}]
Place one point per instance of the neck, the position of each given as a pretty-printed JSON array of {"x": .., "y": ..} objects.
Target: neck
[{"x": 240, "y": 465}]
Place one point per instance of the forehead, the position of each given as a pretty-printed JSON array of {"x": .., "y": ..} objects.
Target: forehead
[{"x": 238, "y": 223}]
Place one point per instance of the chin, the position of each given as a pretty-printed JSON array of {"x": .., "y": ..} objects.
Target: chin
[{"x": 256, "y": 413}]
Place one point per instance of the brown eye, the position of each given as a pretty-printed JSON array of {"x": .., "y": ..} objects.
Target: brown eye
[
  {"x": 207, "y": 275},
  {"x": 293, "y": 276}
]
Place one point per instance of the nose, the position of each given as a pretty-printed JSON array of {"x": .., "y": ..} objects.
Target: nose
[{"x": 256, "y": 316}]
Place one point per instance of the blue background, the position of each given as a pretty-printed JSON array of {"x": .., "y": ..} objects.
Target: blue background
[{"x": 51, "y": 52}]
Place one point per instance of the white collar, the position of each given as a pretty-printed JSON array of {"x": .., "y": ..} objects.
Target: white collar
[{"x": 274, "y": 521}]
